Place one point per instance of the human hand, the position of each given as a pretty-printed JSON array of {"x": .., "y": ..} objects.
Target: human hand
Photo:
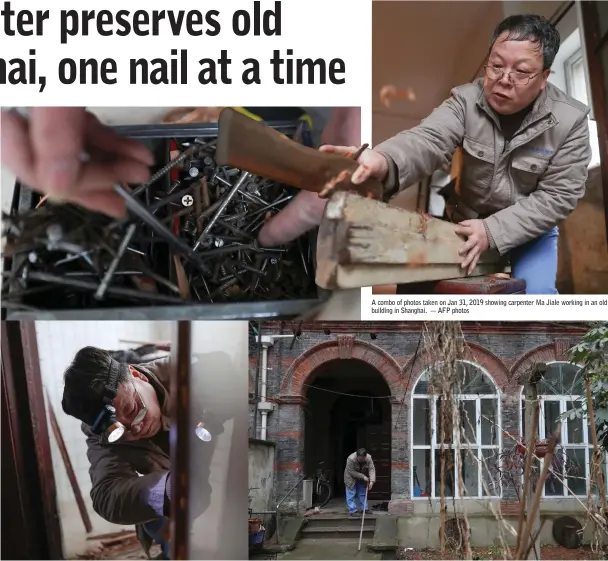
[
  {"x": 366, "y": 479},
  {"x": 46, "y": 152},
  {"x": 477, "y": 242},
  {"x": 371, "y": 164},
  {"x": 306, "y": 209},
  {"x": 370, "y": 485}
]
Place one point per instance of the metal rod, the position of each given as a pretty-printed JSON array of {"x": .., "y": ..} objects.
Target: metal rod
[
  {"x": 244, "y": 176},
  {"x": 107, "y": 278},
  {"x": 166, "y": 169},
  {"x": 363, "y": 517},
  {"x": 85, "y": 285}
]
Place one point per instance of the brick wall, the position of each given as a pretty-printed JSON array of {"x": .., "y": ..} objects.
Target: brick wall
[{"x": 502, "y": 349}]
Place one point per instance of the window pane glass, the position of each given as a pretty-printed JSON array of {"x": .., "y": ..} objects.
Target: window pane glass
[
  {"x": 561, "y": 378},
  {"x": 576, "y": 471},
  {"x": 468, "y": 430},
  {"x": 576, "y": 78},
  {"x": 473, "y": 380},
  {"x": 469, "y": 467},
  {"x": 421, "y": 473},
  {"x": 421, "y": 422},
  {"x": 574, "y": 426},
  {"x": 469, "y": 379},
  {"x": 450, "y": 471},
  {"x": 490, "y": 470},
  {"x": 422, "y": 387},
  {"x": 489, "y": 421},
  {"x": 553, "y": 485},
  {"x": 551, "y": 416}
]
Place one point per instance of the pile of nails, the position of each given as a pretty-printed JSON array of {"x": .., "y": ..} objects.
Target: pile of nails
[{"x": 191, "y": 236}]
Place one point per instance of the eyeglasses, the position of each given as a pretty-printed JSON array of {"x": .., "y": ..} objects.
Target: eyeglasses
[
  {"x": 515, "y": 77},
  {"x": 141, "y": 414}
]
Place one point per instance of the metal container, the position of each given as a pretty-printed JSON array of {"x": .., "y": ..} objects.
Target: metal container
[{"x": 157, "y": 137}]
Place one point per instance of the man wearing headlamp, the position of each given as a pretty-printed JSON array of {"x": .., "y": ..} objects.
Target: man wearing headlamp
[{"x": 125, "y": 414}]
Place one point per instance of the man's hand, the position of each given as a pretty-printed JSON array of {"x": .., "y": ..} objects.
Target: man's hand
[
  {"x": 371, "y": 164},
  {"x": 305, "y": 210},
  {"x": 370, "y": 485},
  {"x": 366, "y": 479},
  {"x": 46, "y": 152},
  {"x": 477, "y": 242}
]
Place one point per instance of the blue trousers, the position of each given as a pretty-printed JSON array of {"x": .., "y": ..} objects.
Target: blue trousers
[
  {"x": 536, "y": 263},
  {"x": 154, "y": 529},
  {"x": 357, "y": 490}
]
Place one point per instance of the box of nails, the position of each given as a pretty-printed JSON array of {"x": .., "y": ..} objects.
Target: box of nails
[{"x": 187, "y": 250}]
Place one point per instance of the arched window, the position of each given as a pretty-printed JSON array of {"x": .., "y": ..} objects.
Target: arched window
[
  {"x": 561, "y": 392},
  {"x": 478, "y": 434}
]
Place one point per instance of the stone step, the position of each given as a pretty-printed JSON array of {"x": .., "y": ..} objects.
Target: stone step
[
  {"x": 340, "y": 521},
  {"x": 337, "y": 532}
]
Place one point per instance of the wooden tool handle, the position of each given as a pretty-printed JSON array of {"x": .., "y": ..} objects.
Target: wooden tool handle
[{"x": 254, "y": 147}]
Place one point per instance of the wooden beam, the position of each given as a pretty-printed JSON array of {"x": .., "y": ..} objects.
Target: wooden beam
[
  {"x": 68, "y": 467},
  {"x": 180, "y": 435},
  {"x": 29, "y": 508},
  {"x": 364, "y": 242}
]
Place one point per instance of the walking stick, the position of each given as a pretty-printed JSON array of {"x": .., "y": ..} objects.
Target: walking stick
[{"x": 363, "y": 518}]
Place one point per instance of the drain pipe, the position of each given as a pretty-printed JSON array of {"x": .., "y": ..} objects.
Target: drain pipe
[{"x": 264, "y": 407}]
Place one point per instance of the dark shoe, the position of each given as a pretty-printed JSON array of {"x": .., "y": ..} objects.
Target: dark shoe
[
  {"x": 368, "y": 511},
  {"x": 353, "y": 514}
]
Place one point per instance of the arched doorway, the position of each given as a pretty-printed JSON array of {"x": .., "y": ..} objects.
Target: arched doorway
[{"x": 348, "y": 407}]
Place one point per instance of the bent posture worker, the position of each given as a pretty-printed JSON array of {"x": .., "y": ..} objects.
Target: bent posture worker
[
  {"x": 125, "y": 416},
  {"x": 525, "y": 153},
  {"x": 359, "y": 477},
  {"x": 525, "y": 157}
]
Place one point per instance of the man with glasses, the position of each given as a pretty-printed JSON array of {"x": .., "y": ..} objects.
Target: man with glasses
[
  {"x": 125, "y": 416},
  {"x": 525, "y": 154}
]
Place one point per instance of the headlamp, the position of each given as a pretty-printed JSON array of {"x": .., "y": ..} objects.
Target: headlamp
[{"x": 107, "y": 424}]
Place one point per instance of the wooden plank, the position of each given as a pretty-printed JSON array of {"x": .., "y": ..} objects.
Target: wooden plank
[
  {"x": 119, "y": 539},
  {"x": 30, "y": 510},
  {"x": 180, "y": 434},
  {"x": 109, "y": 535},
  {"x": 363, "y": 242},
  {"x": 68, "y": 466}
]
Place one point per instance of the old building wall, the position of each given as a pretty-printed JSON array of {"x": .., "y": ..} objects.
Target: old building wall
[{"x": 499, "y": 348}]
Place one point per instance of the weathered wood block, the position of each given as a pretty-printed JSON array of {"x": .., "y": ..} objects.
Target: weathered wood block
[{"x": 364, "y": 242}]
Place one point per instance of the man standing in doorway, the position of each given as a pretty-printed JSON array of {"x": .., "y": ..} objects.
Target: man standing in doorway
[{"x": 359, "y": 477}]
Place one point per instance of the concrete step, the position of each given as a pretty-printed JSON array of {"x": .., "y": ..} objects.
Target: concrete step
[
  {"x": 340, "y": 521},
  {"x": 337, "y": 532}
]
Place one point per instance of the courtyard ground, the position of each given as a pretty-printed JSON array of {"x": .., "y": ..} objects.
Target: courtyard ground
[{"x": 550, "y": 552}]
